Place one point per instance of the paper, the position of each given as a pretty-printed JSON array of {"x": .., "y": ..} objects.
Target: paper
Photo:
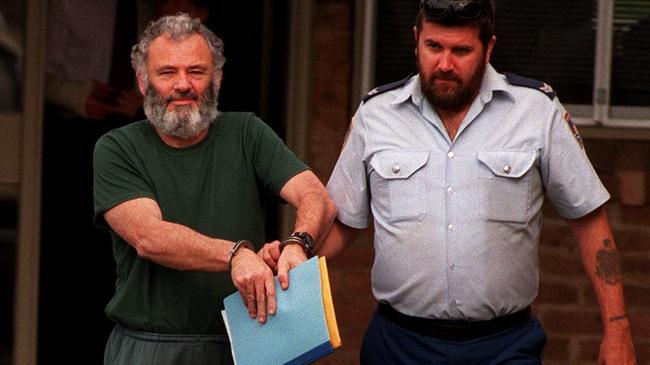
[{"x": 298, "y": 333}]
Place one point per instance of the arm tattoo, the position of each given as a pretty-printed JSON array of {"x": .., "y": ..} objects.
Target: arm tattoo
[{"x": 607, "y": 265}]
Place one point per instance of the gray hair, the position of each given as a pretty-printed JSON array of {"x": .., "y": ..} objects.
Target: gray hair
[{"x": 177, "y": 27}]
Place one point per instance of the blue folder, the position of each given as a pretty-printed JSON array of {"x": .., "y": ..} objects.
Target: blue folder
[{"x": 296, "y": 334}]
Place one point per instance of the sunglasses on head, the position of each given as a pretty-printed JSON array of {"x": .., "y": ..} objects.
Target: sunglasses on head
[{"x": 463, "y": 9}]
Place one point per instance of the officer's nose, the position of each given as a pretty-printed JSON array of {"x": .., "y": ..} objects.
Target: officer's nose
[{"x": 445, "y": 62}]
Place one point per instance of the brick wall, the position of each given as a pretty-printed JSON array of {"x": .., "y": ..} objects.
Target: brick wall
[{"x": 566, "y": 304}]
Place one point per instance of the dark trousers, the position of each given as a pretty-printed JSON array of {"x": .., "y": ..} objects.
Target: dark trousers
[
  {"x": 388, "y": 343},
  {"x": 128, "y": 347}
]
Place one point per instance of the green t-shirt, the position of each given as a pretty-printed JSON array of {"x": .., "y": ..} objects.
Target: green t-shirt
[{"x": 215, "y": 187}]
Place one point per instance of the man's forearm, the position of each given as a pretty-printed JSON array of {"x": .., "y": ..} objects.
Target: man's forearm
[
  {"x": 315, "y": 214},
  {"x": 179, "y": 247},
  {"x": 601, "y": 263},
  {"x": 315, "y": 210},
  {"x": 139, "y": 222}
]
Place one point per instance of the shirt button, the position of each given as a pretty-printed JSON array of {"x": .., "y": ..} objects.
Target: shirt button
[
  {"x": 452, "y": 266},
  {"x": 451, "y": 226},
  {"x": 396, "y": 168},
  {"x": 450, "y": 154},
  {"x": 456, "y": 302},
  {"x": 507, "y": 169},
  {"x": 450, "y": 190}
]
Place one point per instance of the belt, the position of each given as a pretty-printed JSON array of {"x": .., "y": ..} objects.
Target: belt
[{"x": 454, "y": 330}]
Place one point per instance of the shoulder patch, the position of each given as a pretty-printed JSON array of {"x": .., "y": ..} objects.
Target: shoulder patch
[
  {"x": 383, "y": 88},
  {"x": 574, "y": 130},
  {"x": 517, "y": 80}
]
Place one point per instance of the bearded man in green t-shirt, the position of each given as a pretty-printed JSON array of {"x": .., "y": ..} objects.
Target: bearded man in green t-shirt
[{"x": 182, "y": 197}]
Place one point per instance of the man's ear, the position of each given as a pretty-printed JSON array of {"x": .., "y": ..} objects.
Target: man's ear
[
  {"x": 140, "y": 83},
  {"x": 219, "y": 77}
]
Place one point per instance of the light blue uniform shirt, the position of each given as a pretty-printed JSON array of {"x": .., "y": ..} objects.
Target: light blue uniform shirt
[{"x": 457, "y": 223}]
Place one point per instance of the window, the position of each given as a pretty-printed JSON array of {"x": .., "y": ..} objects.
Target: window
[{"x": 595, "y": 53}]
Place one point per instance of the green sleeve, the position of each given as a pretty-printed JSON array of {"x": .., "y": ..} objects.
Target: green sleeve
[
  {"x": 275, "y": 164},
  {"x": 116, "y": 177}
]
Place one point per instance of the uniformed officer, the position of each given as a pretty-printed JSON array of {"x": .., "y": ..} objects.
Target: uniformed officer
[{"x": 452, "y": 165}]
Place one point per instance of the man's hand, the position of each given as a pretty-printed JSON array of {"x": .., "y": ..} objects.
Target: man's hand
[
  {"x": 270, "y": 253},
  {"x": 617, "y": 347},
  {"x": 292, "y": 256},
  {"x": 254, "y": 280}
]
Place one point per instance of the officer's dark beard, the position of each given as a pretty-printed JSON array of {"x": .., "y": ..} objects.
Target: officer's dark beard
[
  {"x": 183, "y": 121},
  {"x": 447, "y": 98}
]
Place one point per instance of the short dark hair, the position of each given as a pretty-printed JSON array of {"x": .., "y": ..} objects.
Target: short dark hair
[{"x": 485, "y": 22}]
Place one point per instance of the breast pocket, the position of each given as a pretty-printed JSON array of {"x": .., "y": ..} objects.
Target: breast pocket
[
  {"x": 505, "y": 184},
  {"x": 398, "y": 186}
]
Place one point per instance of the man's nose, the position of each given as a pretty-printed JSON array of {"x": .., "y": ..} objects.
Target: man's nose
[{"x": 182, "y": 83}]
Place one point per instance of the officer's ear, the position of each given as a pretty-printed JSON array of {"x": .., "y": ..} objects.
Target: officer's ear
[
  {"x": 490, "y": 47},
  {"x": 415, "y": 37}
]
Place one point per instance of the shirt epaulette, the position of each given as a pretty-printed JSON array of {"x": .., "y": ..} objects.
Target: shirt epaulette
[
  {"x": 517, "y": 80},
  {"x": 383, "y": 88}
]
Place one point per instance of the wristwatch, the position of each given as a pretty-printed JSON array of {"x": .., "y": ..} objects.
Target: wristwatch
[{"x": 304, "y": 239}]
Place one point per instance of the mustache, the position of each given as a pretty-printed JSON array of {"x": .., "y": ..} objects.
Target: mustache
[
  {"x": 449, "y": 76},
  {"x": 182, "y": 95}
]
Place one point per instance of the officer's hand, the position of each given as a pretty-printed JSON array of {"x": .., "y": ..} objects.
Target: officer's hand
[
  {"x": 292, "y": 256},
  {"x": 254, "y": 281},
  {"x": 616, "y": 346}
]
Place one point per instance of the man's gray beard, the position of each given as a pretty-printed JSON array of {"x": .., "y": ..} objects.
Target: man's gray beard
[
  {"x": 459, "y": 98},
  {"x": 182, "y": 122}
]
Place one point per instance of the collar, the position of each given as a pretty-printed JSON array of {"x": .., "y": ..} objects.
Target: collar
[{"x": 493, "y": 82}]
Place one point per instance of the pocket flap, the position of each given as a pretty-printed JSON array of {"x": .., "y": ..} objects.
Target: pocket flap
[
  {"x": 398, "y": 164},
  {"x": 513, "y": 164}
]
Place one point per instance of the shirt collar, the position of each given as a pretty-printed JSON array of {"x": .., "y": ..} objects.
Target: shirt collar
[
  {"x": 493, "y": 82},
  {"x": 410, "y": 90}
]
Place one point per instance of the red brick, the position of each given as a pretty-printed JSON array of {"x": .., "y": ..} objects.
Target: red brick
[
  {"x": 589, "y": 296},
  {"x": 570, "y": 322},
  {"x": 358, "y": 282},
  {"x": 556, "y": 235},
  {"x": 632, "y": 240},
  {"x": 610, "y": 183},
  {"x": 642, "y": 349},
  {"x": 354, "y": 311},
  {"x": 638, "y": 264},
  {"x": 588, "y": 350},
  {"x": 636, "y": 296},
  {"x": 557, "y": 294},
  {"x": 560, "y": 264},
  {"x": 639, "y": 216},
  {"x": 557, "y": 348},
  {"x": 640, "y": 323}
]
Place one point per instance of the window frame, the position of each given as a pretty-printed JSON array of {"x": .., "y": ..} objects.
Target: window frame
[{"x": 598, "y": 120}]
